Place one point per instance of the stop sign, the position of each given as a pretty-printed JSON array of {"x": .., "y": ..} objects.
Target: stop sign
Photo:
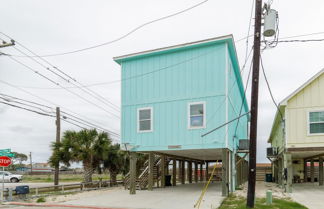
[{"x": 5, "y": 161}]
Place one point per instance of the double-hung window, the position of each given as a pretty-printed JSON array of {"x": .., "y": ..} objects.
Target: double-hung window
[
  {"x": 145, "y": 118},
  {"x": 316, "y": 122},
  {"x": 196, "y": 115}
]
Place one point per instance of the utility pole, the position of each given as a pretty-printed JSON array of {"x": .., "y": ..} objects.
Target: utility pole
[
  {"x": 58, "y": 137},
  {"x": 31, "y": 163},
  {"x": 254, "y": 105}
]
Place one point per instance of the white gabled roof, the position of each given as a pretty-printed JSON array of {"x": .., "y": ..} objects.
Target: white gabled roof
[{"x": 284, "y": 102}]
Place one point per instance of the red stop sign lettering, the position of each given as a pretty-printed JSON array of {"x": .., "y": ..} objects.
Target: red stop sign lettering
[{"x": 5, "y": 161}]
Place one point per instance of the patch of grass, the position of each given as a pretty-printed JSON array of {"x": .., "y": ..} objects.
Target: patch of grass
[
  {"x": 235, "y": 202},
  {"x": 40, "y": 200}
]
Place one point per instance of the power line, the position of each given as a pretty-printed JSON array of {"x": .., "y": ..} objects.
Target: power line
[
  {"x": 242, "y": 104},
  {"x": 129, "y": 78},
  {"x": 16, "y": 106},
  {"x": 125, "y": 35},
  {"x": 78, "y": 120},
  {"x": 26, "y": 100},
  {"x": 91, "y": 124},
  {"x": 50, "y": 102},
  {"x": 223, "y": 101},
  {"x": 73, "y": 123},
  {"x": 302, "y": 35},
  {"x": 79, "y": 96},
  {"x": 248, "y": 33},
  {"x": 24, "y": 104},
  {"x": 243, "y": 99},
  {"x": 301, "y": 40},
  {"x": 269, "y": 89},
  {"x": 79, "y": 86},
  {"x": 40, "y": 113}
]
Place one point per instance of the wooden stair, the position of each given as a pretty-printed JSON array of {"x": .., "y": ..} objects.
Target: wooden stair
[{"x": 142, "y": 179}]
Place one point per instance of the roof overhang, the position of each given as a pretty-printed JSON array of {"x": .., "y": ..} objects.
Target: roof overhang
[
  {"x": 284, "y": 102},
  {"x": 226, "y": 38}
]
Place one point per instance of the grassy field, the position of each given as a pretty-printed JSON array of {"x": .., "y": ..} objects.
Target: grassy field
[
  {"x": 235, "y": 202},
  {"x": 64, "y": 178}
]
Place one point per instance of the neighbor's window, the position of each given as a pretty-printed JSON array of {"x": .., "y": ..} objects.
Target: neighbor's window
[
  {"x": 145, "y": 119},
  {"x": 316, "y": 122},
  {"x": 196, "y": 115}
]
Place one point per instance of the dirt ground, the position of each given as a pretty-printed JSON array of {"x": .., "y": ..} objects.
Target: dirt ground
[{"x": 262, "y": 188}]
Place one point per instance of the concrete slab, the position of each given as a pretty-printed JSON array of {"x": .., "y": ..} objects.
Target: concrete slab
[
  {"x": 179, "y": 197},
  {"x": 309, "y": 194}
]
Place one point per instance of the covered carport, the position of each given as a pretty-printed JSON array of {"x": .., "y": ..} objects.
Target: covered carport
[{"x": 299, "y": 166}]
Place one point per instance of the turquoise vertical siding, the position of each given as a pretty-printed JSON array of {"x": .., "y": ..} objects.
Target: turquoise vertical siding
[{"x": 167, "y": 82}]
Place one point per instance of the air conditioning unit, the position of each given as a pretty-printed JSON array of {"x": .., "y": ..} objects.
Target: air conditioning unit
[
  {"x": 272, "y": 151},
  {"x": 244, "y": 144}
]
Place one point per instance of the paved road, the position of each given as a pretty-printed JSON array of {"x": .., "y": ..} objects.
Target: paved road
[
  {"x": 179, "y": 197},
  {"x": 309, "y": 194},
  {"x": 31, "y": 185}
]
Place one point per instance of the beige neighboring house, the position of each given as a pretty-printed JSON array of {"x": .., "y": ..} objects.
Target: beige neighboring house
[{"x": 297, "y": 135}]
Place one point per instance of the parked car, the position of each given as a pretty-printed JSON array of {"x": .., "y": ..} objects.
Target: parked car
[{"x": 9, "y": 177}]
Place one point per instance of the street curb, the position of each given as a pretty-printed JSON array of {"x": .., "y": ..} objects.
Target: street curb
[{"x": 57, "y": 205}]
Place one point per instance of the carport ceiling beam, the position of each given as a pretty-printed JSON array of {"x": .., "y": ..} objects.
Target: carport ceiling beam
[
  {"x": 179, "y": 157},
  {"x": 315, "y": 156}
]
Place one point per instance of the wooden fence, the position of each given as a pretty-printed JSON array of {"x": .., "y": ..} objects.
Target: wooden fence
[{"x": 10, "y": 194}]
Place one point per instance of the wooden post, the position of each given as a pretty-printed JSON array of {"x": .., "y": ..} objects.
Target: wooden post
[
  {"x": 201, "y": 172},
  {"x": 174, "y": 172},
  {"x": 305, "y": 171},
  {"x": 225, "y": 177},
  {"x": 190, "y": 171},
  {"x": 254, "y": 104},
  {"x": 312, "y": 170},
  {"x": 320, "y": 172},
  {"x": 167, "y": 162},
  {"x": 196, "y": 172},
  {"x": 132, "y": 183},
  {"x": 206, "y": 171},
  {"x": 58, "y": 136},
  {"x": 151, "y": 172},
  {"x": 162, "y": 171},
  {"x": 238, "y": 171},
  {"x": 288, "y": 166},
  {"x": 183, "y": 172}
]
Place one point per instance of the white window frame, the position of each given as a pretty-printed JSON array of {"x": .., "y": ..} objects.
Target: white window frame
[
  {"x": 138, "y": 120},
  {"x": 204, "y": 115},
  {"x": 308, "y": 122}
]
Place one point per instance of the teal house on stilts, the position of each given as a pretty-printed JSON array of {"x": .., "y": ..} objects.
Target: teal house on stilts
[{"x": 172, "y": 96}]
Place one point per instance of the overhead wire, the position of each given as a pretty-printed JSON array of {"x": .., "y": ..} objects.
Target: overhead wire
[
  {"x": 248, "y": 33},
  {"x": 79, "y": 96},
  {"x": 63, "y": 115},
  {"x": 127, "y": 34},
  {"x": 24, "y": 104},
  {"x": 270, "y": 91},
  {"x": 27, "y": 109},
  {"x": 132, "y": 77},
  {"x": 78, "y": 85},
  {"x": 57, "y": 105}
]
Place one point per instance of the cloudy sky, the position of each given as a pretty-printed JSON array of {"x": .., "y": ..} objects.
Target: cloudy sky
[{"x": 48, "y": 27}]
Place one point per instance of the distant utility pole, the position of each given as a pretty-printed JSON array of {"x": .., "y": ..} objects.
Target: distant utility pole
[
  {"x": 31, "y": 163},
  {"x": 58, "y": 137},
  {"x": 5, "y": 44},
  {"x": 254, "y": 105}
]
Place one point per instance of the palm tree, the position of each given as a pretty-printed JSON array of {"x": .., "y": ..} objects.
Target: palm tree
[
  {"x": 86, "y": 146},
  {"x": 115, "y": 162}
]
